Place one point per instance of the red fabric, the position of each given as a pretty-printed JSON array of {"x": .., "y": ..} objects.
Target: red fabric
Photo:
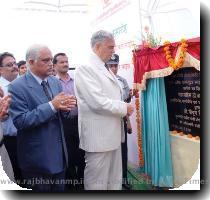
[{"x": 148, "y": 59}]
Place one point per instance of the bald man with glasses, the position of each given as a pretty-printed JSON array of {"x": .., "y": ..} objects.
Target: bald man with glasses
[{"x": 36, "y": 108}]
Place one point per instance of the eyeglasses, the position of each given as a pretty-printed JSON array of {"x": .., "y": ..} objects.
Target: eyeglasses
[
  {"x": 10, "y": 64},
  {"x": 46, "y": 60}
]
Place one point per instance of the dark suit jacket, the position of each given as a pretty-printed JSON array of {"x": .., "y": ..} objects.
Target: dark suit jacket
[{"x": 40, "y": 137}]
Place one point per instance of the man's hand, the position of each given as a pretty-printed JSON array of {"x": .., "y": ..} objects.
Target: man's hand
[
  {"x": 130, "y": 109},
  {"x": 4, "y": 106},
  {"x": 64, "y": 102},
  {"x": 129, "y": 128}
]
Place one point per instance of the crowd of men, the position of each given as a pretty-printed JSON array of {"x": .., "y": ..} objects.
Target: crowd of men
[{"x": 61, "y": 132}]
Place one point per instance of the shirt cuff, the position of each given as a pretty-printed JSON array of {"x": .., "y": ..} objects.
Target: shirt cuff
[
  {"x": 52, "y": 107},
  {"x": 4, "y": 118}
]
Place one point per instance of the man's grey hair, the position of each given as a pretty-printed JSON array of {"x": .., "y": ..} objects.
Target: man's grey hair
[
  {"x": 32, "y": 52},
  {"x": 100, "y": 36}
]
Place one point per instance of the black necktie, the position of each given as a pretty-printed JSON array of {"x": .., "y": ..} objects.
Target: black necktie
[{"x": 46, "y": 90}]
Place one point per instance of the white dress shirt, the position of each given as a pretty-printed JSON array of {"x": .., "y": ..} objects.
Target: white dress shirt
[{"x": 8, "y": 127}]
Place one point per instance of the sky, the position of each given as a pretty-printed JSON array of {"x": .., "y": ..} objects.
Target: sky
[{"x": 61, "y": 31}]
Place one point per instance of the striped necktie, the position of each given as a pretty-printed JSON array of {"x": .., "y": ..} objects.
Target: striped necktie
[{"x": 46, "y": 88}]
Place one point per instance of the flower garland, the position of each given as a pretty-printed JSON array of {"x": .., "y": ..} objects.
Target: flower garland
[
  {"x": 139, "y": 132},
  {"x": 182, "y": 54}
]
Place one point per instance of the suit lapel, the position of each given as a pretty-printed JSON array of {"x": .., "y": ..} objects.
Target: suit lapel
[
  {"x": 108, "y": 74},
  {"x": 53, "y": 86},
  {"x": 96, "y": 61},
  {"x": 112, "y": 77},
  {"x": 36, "y": 88}
]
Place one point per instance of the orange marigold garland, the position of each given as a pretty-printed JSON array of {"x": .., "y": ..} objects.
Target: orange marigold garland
[
  {"x": 182, "y": 54},
  {"x": 139, "y": 132}
]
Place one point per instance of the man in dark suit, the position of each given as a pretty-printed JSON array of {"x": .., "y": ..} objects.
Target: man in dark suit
[{"x": 37, "y": 102}]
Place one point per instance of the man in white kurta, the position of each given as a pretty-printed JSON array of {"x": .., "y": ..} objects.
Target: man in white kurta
[{"x": 100, "y": 113}]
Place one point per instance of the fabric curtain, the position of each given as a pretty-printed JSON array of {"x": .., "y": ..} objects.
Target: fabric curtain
[
  {"x": 155, "y": 134},
  {"x": 151, "y": 62}
]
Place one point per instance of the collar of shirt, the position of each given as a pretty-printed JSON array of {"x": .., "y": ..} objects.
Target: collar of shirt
[
  {"x": 4, "y": 83},
  {"x": 65, "y": 81},
  {"x": 39, "y": 80}
]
